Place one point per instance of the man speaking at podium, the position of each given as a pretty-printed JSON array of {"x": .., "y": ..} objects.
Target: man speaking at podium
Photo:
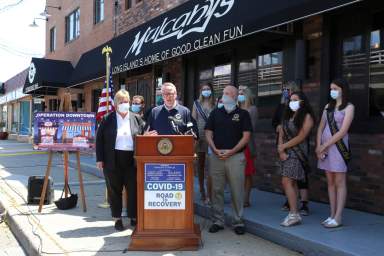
[{"x": 170, "y": 118}]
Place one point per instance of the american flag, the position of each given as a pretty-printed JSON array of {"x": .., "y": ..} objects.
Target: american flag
[{"x": 102, "y": 110}]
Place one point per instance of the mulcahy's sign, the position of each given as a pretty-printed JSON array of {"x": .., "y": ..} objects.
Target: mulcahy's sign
[
  {"x": 198, "y": 24},
  {"x": 193, "y": 21}
]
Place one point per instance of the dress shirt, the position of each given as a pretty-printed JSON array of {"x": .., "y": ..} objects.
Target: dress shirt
[{"x": 124, "y": 140}]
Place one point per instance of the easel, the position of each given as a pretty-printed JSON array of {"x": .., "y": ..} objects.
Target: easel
[
  {"x": 65, "y": 106},
  {"x": 48, "y": 172}
]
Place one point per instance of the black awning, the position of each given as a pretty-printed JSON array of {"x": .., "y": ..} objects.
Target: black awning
[
  {"x": 198, "y": 24},
  {"x": 46, "y": 76},
  {"x": 90, "y": 66},
  {"x": 193, "y": 26}
]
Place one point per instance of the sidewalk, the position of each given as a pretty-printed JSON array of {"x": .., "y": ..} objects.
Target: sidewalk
[
  {"x": 362, "y": 233},
  {"x": 73, "y": 232}
]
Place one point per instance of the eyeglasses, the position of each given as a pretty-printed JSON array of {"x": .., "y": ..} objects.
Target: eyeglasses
[{"x": 168, "y": 94}]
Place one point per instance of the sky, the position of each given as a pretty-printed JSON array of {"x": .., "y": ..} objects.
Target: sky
[{"x": 18, "y": 41}]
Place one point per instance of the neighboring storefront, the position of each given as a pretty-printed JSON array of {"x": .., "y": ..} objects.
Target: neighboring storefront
[{"x": 17, "y": 108}]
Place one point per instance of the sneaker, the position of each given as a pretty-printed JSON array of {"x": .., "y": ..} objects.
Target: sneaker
[
  {"x": 119, "y": 225},
  {"x": 304, "y": 210},
  {"x": 332, "y": 224},
  {"x": 239, "y": 230},
  {"x": 285, "y": 206},
  {"x": 291, "y": 220},
  {"x": 215, "y": 228},
  {"x": 326, "y": 221}
]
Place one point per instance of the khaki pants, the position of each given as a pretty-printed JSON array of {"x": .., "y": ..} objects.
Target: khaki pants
[{"x": 232, "y": 169}]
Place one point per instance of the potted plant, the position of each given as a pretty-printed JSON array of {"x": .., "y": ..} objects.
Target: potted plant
[{"x": 3, "y": 131}]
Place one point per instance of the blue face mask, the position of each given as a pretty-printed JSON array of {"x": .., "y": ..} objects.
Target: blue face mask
[
  {"x": 241, "y": 98},
  {"x": 206, "y": 93},
  {"x": 136, "y": 108},
  {"x": 220, "y": 105},
  {"x": 334, "y": 94},
  {"x": 229, "y": 103}
]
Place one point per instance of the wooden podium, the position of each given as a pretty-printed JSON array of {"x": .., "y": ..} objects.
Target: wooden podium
[{"x": 165, "y": 215}]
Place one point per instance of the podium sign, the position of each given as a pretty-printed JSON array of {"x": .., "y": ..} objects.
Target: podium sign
[
  {"x": 165, "y": 217},
  {"x": 164, "y": 186}
]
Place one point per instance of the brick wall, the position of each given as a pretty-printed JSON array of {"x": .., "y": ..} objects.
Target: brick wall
[
  {"x": 141, "y": 12},
  {"x": 91, "y": 35}
]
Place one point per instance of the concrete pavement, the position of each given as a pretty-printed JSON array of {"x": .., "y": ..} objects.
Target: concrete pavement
[
  {"x": 361, "y": 234},
  {"x": 74, "y": 232}
]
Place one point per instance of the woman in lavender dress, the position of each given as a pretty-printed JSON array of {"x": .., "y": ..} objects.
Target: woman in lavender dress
[{"x": 329, "y": 157}]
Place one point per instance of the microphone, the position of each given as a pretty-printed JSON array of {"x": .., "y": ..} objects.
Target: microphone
[
  {"x": 173, "y": 124},
  {"x": 177, "y": 121},
  {"x": 190, "y": 130}
]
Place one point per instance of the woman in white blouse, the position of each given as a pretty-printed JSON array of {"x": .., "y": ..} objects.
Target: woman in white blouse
[{"x": 115, "y": 144}]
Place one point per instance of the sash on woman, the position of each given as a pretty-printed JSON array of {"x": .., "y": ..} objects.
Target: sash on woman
[
  {"x": 288, "y": 134},
  {"x": 341, "y": 147}
]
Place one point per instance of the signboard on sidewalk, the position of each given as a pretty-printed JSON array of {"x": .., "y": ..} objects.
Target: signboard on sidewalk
[
  {"x": 64, "y": 131},
  {"x": 164, "y": 186}
]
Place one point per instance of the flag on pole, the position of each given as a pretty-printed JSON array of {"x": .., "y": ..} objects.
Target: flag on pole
[{"x": 103, "y": 100}]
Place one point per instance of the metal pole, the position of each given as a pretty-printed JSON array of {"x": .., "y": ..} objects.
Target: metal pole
[{"x": 107, "y": 51}]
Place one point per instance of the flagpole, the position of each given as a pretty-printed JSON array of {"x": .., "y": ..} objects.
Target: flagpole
[{"x": 107, "y": 51}]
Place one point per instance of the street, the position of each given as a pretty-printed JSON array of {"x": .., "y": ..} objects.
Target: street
[{"x": 74, "y": 232}]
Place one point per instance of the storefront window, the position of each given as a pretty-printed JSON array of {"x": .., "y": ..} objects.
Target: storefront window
[
  {"x": 352, "y": 45},
  {"x": 269, "y": 81},
  {"x": 376, "y": 79},
  {"x": 25, "y": 121},
  {"x": 221, "y": 78},
  {"x": 375, "y": 39},
  {"x": 247, "y": 75},
  {"x": 15, "y": 118}
]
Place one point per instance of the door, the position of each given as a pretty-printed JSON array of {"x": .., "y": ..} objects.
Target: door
[{"x": 25, "y": 121}]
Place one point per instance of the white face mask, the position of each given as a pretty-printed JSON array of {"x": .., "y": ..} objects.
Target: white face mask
[
  {"x": 123, "y": 108},
  {"x": 335, "y": 94},
  {"x": 294, "y": 105}
]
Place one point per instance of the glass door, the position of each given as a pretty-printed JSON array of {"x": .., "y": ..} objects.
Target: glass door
[{"x": 25, "y": 121}]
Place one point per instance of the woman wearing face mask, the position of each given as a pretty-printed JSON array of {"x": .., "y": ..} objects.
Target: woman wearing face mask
[
  {"x": 333, "y": 150},
  {"x": 297, "y": 122},
  {"x": 202, "y": 107},
  {"x": 115, "y": 141},
  {"x": 138, "y": 105},
  {"x": 245, "y": 101}
]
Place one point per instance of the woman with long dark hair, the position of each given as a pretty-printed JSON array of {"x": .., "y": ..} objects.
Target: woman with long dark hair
[
  {"x": 297, "y": 122},
  {"x": 202, "y": 107},
  {"x": 333, "y": 150}
]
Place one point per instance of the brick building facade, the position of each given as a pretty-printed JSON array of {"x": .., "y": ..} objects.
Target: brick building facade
[{"x": 310, "y": 51}]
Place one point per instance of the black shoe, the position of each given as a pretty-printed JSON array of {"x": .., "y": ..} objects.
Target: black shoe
[
  {"x": 304, "y": 210},
  {"x": 285, "y": 206},
  {"x": 133, "y": 222},
  {"x": 215, "y": 228},
  {"x": 119, "y": 225},
  {"x": 239, "y": 230}
]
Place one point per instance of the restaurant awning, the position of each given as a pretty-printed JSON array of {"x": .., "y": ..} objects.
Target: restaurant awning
[
  {"x": 46, "y": 76},
  {"x": 193, "y": 26}
]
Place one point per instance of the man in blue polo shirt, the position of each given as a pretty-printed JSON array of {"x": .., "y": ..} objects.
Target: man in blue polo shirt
[
  {"x": 228, "y": 131},
  {"x": 170, "y": 118}
]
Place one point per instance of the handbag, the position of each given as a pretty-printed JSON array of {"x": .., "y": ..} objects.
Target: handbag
[{"x": 66, "y": 203}]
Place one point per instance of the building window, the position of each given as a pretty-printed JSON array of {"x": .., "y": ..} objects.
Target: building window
[
  {"x": 128, "y": 4},
  {"x": 52, "y": 39},
  {"x": 72, "y": 26},
  {"x": 98, "y": 11},
  {"x": 376, "y": 77},
  {"x": 270, "y": 74}
]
